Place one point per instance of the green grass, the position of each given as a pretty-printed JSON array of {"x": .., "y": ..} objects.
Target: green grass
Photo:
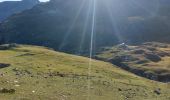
[{"x": 37, "y": 73}]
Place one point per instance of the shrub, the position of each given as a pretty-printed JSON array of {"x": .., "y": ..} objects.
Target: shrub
[{"x": 4, "y": 90}]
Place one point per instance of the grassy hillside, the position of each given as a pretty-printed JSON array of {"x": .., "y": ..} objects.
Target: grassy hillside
[
  {"x": 38, "y": 73},
  {"x": 151, "y": 60}
]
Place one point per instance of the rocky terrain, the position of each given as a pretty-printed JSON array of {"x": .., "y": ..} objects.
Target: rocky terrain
[{"x": 150, "y": 60}]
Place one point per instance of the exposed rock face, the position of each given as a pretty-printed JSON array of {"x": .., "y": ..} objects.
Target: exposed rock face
[{"x": 8, "y": 8}]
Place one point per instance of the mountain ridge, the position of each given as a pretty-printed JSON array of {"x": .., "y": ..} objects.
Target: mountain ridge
[
  {"x": 7, "y": 8},
  {"x": 66, "y": 26}
]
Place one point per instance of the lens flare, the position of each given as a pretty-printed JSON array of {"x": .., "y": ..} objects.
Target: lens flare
[{"x": 91, "y": 48}]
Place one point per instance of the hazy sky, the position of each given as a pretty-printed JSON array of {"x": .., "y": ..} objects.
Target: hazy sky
[{"x": 20, "y": 0}]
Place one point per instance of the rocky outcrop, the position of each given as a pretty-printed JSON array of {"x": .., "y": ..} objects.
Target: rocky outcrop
[
  {"x": 8, "y": 46},
  {"x": 143, "y": 60}
]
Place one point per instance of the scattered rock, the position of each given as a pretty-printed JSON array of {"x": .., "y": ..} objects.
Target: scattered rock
[
  {"x": 151, "y": 48},
  {"x": 157, "y": 91},
  {"x": 123, "y": 58},
  {"x": 142, "y": 62},
  {"x": 119, "y": 89},
  {"x": 17, "y": 85},
  {"x": 156, "y": 44},
  {"x": 15, "y": 81},
  {"x": 139, "y": 51},
  {"x": 153, "y": 57},
  {"x": 33, "y": 91},
  {"x": 45, "y": 77},
  {"x": 162, "y": 54},
  {"x": 61, "y": 75}
]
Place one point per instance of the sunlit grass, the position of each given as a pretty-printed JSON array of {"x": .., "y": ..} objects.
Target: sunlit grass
[{"x": 44, "y": 74}]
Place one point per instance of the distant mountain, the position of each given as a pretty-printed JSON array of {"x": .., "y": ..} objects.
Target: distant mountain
[
  {"x": 8, "y": 8},
  {"x": 65, "y": 25}
]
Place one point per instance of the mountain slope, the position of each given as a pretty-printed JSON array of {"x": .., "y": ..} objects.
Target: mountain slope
[
  {"x": 8, "y": 8},
  {"x": 150, "y": 60},
  {"x": 65, "y": 25},
  {"x": 38, "y": 73}
]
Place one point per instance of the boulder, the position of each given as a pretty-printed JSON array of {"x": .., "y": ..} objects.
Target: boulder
[
  {"x": 2, "y": 65},
  {"x": 8, "y": 46}
]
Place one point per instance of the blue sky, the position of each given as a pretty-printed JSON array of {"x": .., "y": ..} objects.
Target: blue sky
[{"x": 19, "y": 0}]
